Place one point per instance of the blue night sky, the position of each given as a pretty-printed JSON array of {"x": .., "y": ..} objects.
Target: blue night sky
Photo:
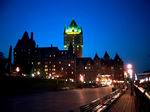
[{"x": 116, "y": 26}]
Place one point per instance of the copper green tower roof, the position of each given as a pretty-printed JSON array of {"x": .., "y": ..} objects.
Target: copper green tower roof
[{"x": 73, "y": 28}]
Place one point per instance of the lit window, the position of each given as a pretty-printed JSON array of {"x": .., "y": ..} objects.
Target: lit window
[
  {"x": 69, "y": 64},
  {"x": 38, "y": 63},
  {"x": 59, "y": 62},
  {"x": 53, "y": 69},
  {"x": 85, "y": 67},
  {"x": 38, "y": 72},
  {"x": 54, "y": 55},
  {"x": 50, "y": 74},
  {"x": 71, "y": 72},
  {"x": 46, "y": 66},
  {"x": 54, "y": 65},
  {"x": 33, "y": 75},
  {"x": 53, "y": 73},
  {"x": 46, "y": 70},
  {"x": 62, "y": 68},
  {"x": 65, "y": 46}
]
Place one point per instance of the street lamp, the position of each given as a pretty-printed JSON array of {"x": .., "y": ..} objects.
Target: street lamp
[
  {"x": 17, "y": 70},
  {"x": 81, "y": 78},
  {"x": 130, "y": 72}
]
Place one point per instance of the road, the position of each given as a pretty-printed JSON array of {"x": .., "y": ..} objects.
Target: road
[{"x": 62, "y": 101}]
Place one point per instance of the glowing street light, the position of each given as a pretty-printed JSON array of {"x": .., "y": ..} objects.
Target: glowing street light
[
  {"x": 38, "y": 72},
  {"x": 130, "y": 70},
  {"x": 81, "y": 78},
  {"x": 33, "y": 75},
  {"x": 97, "y": 79},
  {"x": 17, "y": 69},
  {"x": 129, "y": 66}
]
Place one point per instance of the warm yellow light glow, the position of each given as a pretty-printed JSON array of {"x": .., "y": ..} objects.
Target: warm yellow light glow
[
  {"x": 65, "y": 46},
  {"x": 129, "y": 66},
  {"x": 33, "y": 75},
  {"x": 73, "y": 33},
  {"x": 38, "y": 72},
  {"x": 81, "y": 78},
  {"x": 73, "y": 30},
  {"x": 97, "y": 79},
  {"x": 17, "y": 69},
  {"x": 142, "y": 80},
  {"x": 130, "y": 71}
]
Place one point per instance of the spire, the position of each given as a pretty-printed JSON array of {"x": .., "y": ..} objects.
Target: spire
[
  {"x": 31, "y": 35},
  {"x": 106, "y": 56},
  {"x": 117, "y": 58},
  {"x": 73, "y": 23},
  {"x": 25, "y": 35},
  {"x": 96, "y": 57}
]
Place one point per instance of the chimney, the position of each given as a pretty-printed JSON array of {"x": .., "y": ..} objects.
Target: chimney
[{"x": 31, "y": 35}]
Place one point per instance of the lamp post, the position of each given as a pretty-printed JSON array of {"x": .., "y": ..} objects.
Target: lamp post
[{"x": 130, "y": 72}]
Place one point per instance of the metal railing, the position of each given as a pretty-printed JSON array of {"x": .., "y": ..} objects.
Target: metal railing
[
  {"x": 102, "y": 104},
  {"x": 142, "y": 99}
]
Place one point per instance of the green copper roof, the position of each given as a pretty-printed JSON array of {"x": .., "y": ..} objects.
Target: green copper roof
[{"x": 73, "y": 28}]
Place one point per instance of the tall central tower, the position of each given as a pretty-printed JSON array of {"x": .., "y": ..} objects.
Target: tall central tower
[{"x": 74, "y": 35}]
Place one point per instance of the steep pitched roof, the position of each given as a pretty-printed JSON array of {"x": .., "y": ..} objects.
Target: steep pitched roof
[
  {"x": 73, "y": 23},
  {"x": 96, "y": 57},
  {"x": 106, "y": 56}
]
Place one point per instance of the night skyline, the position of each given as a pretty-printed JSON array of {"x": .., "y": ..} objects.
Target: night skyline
[{"x": 113, "y": 26}]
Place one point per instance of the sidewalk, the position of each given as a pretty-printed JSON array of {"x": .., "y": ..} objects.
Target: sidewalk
[{"x": 126, "y": 103}]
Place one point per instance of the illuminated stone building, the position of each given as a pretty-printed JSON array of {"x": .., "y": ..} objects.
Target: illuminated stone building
[
  {"x": 73, "y": 34},
  {"x": 23, "y": 53},
  {"x": 50, "y": 62},
  {"x": 118, "y": 68},
  {"x": 44, "y": 62},
  {"x": 85, "y": 68}
]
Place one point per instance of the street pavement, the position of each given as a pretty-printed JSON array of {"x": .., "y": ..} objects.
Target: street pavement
[{"x": 126, "y": 103}]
